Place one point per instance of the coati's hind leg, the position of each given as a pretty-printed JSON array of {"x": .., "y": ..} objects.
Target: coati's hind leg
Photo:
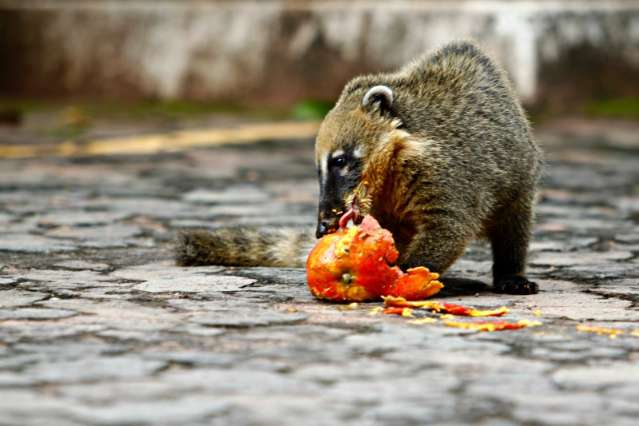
[{"x": 509, "y": 234}]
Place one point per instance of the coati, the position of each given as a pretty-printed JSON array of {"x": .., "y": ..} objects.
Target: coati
[{"x": 440, "y": 152}]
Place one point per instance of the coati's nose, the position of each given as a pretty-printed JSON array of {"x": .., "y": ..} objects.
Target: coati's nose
[{"x": 324, "y": 227}]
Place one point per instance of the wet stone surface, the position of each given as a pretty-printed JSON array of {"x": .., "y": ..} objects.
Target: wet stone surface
[{"x": 98, "y": 327}]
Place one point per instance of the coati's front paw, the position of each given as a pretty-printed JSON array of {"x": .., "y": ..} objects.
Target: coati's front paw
[{"x": 515, "y": 284}]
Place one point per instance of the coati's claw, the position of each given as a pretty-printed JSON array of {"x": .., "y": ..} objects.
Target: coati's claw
[{"x": 515, "y": 285}]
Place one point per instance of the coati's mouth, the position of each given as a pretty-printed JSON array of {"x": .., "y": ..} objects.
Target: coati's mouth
[
  {"x": 325, "y": 227},
  {"x": 356, "y": 206}
]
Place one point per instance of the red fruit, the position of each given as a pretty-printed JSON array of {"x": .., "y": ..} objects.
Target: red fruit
[
  {"x": 357, "y": 264},
  {"x": 416, "y": 284}
]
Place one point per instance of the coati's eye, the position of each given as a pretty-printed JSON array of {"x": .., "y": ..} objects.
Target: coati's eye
[{"x": 339, "y": 161}]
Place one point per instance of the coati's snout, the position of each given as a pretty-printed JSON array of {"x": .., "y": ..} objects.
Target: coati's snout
[
  {"x": 339, "y": 173},
  {"x": 345, "y": 139}
]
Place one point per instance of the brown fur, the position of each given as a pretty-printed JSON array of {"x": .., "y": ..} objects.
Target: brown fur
[
  {"x": 282, "y": 247},
  {"x": 451, "y": 158}
]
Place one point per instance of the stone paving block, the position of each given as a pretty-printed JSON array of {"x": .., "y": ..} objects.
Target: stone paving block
[
  {"x": 601, "y": 272},
  {"x": 78, "y": 218},
  {"x": 69, "y": 349},
  {"x": 138, "y": 336},
  {"x": 252, "y": 317},
  {"x": 93, "y": 369},
  {"x": 177, "y": 279},
  {"x": 195, "y": 330},
  {"x": 597, "y": 376},
  {"x": 561, "y": 409},
  {"x": 116, "y": 235},
  {"x": 298, "y": 192},
  {"x": 98, "y": 326},
  {"x": 17, "y": 407},
  {"x": 154, "y": 207},
  {"x": 34, "y": 244},
  {"x": 7, "y": 281},
  {"x": 81, "y": 265},
  {"x": 231, "y": 195},
  {"x": 624, "y": 288},
  {"x": 34, "y": 314},
  {"x": 5, "y": 218},
  {"x": 175, "y": 410},
  {"x": 120, "y": 313},
  {"x": 243, "y": 210},
  {"x": 631, "y": 237},
  {"x": 60, "y": 279},
  {"x": 45, "y": 331},
  {"x": 283, "y": 220},
  {"x": 12, "y": 298},
  {"x": 11, "y": 360},
  {"x": 195, "y": 358},
  {"x": 563, "y": 245},
  {"x": 203, "y": 284}
]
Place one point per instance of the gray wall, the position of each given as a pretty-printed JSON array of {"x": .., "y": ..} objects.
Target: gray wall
[{"x": 278, "y": 51}]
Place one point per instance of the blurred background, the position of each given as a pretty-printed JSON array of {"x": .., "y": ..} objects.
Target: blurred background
[{"x": 73, "y": 69}]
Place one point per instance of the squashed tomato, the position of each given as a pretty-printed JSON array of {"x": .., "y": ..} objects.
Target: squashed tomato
[
  {"x": 443, "y": 308},
  {"x": 357, "y": 264}
]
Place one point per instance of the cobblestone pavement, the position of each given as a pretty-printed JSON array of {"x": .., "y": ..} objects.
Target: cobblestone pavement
[{"x": 98, "y": 327}]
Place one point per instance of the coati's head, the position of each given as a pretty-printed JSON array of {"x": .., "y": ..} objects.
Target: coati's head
[{"x": 360, "y": 121}]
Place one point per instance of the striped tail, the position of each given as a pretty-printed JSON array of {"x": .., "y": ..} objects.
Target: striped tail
[{"x": 280, "y": 247}]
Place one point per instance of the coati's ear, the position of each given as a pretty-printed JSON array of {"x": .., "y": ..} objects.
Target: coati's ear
[{"x": 380, "y": 97}]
